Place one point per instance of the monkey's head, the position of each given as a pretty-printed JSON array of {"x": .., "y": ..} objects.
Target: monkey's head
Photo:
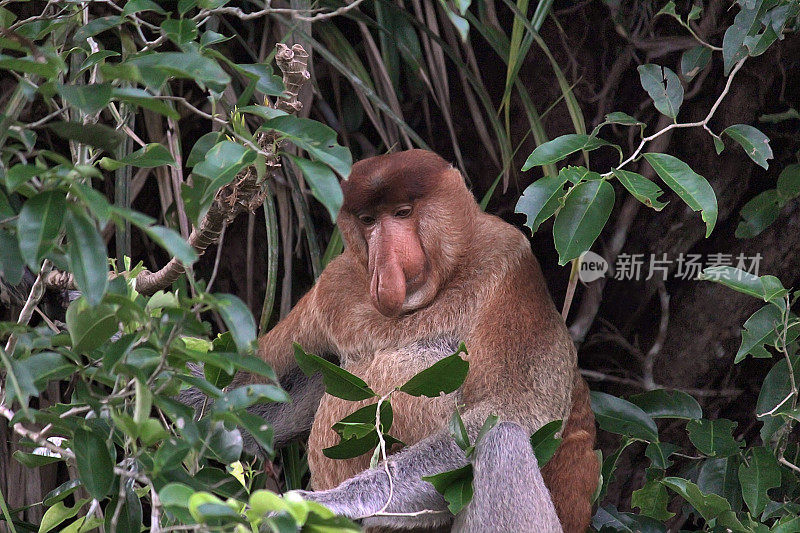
[{"x": 407, "y": 217}]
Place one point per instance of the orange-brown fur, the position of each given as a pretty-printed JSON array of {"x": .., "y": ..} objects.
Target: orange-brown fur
[{"x": 481, "y": 285}]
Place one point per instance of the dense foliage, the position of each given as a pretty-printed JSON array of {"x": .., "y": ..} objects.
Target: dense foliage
[{"x": 127, "y": 124}]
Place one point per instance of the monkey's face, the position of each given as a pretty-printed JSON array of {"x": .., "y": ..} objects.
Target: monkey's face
[{"x": 395, "y": 219}]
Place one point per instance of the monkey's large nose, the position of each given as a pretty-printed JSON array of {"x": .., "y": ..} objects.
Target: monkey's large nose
[{"x": 388, "y": 287}]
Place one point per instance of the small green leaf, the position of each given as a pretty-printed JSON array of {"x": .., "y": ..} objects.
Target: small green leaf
[
  {"x": 459, "y": 432},
  {"x": 444, "y": 376},
  {"x": 338, "y": 381},
  {"x": 97, "y": 135},
  {"x": 662, "y": 403},
  {"x": 757, "y": 475},
  {"x": 88, "y": 261},
  {"x": 652, "y": 500},
  {"x": 95, "y": 465},
  {"x": 59, "y": 512},
  {"x": 180, "y": 31},
  {"x": 690, "y": 186},
  {"x": 315, "y": 138},
  {"x": 38, "y": 225},
  {"x": 11, "y": 262},
  {"x": 149, "y": 156},
  {"x": 365, "y": 415},
  {"x": 172, "y": 242},
  {"x": 540, "y": 200},
  {"x": 239, "y": 320},
  {"x": 140, "y": 98},
  {"x": 760, "y": 330},
  {"x": 641, "y": 188},
  {"x": 587, "y": 207},
  {"x": 19, "y": 175},
  {"x": 455, "y": 486},
  {"x": 754, "y": 142},
  {"x": 765, "y": 287},
  {"x": 324, "y": 185},
  {"x": 789, "y": 182},
  {"x": 545, "y": 443},
  {"x": 713, "y": 437},
  {"x": 659, "y": 452},
  {"x": 664, "y": 87},
  {"x": 694, "y": 60},
  {"x": 89, "y": 327},
  {"x": 560, "y": 147},
  {"x": 622, "y": 417},
  {"x": 710, "y": 506},
  {"x": 243, "y": 397},
  {"x": 759, "y": 213},
  {"x": 88, "y": 98}
]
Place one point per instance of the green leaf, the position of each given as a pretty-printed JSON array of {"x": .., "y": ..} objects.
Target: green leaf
[
  {"x": 733, "y": 48},
  {"x": 759, "y": 213},
  {"x": 757, "y": 475},
  {"x": 663, "y": 86},
  {"x": 243, "y": 397},
  {"x": 95, "y": 465},
  {"x": 641, "y": 188},
  {"x": 315, "y": 138},
  {"x": 11, "y": 262},
  {"x": 338, "y": 381},
  {"x": 608, "y": 519},
  {"x": 19, "y": 175},
  {"x": 239, "y": 320},
  {"x": 713, "y": 437},
  {"x": 89, "y": 327},
  {"x": 136, "y": 97},
  {"x": 545, "y": 443},
  {"x": 710, "y": 506},
  {"x": 137, "y": 6},
  {"x": 459, "y": 432},
  {"x": 97, "y": 135},
  {"x": 652, "y": 500},
  {"x": 223, "y": 162},
  {"x": 690, "y": 186},
  {"x": 173, "y": 243},
  {"x": 44, "y": 367},
  {"x": 149, "y": 156},
  {"x": 587, "y": 207},
  {"x": 129, "y": 514},
  {"x": 662, "y": 403},
  {"x": 764, "y": 287},
  {"x": 38, "y": 225},
  {"x": 61, "y": 492},
  {"x": 789, "y": 182},
  {"x": 622, "y": 417},
  {"x": 444, "y": 376},
  {"x": 540, "y": 200},
  {"x": 365, "y": 415},
  {"x": 694, "y": 60},
  {"x": 324, "y": 185},
  {"x": 59, "y": 512},
  {"x": 455, "y": 486},
  {"x": 560, "y": 147},
  {"x": 34, "y": 460},
  {"x": 754, "y": 142},
  {"x": 88, "y": 261},
  {"x": 266, "y": 82},
  {"x": 88, "y": 98},
  {"x": 759, "y": 330},
  {"x": 189, "y": 64},
  {"x": 659, "y": 452},
  {"x": 180, "y": 31},
  {"x": 774, "y": 397}
]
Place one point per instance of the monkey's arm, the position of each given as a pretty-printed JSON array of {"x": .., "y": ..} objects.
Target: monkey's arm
[{"x": 510, "y": 494}]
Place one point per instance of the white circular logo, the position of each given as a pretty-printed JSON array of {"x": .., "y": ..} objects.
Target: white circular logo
[{"x": 593, "y": 267}]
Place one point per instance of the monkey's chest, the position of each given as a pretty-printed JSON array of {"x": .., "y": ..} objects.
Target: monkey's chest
[{"x": 414, "y": 418}]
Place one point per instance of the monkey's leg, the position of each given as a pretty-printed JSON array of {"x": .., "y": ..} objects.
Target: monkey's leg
[{"x": 509, "y": 491}]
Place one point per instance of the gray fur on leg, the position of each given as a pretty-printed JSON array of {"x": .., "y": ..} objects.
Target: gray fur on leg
[{"x": 509, "y": 492}]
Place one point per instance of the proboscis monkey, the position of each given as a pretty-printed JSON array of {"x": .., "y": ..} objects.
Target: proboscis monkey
[{"x": 423, "y": 270}]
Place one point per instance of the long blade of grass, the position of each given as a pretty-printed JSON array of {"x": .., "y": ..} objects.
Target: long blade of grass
[{"x": 271, "y": 220}]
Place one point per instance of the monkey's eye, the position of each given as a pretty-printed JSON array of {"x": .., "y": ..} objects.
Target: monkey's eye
[
  {"x": 367, "y": 220},
  {"x": 403, "y": 212}
]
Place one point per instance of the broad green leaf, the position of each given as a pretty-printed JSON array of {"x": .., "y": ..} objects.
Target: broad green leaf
[
  {"x": 128, "y": 511},
  {"x": 141, "y": 98},
  {"x": 652, "y": 500},
  {"x": 44, "y": 367},
  {"x": 545, "y": 443},
  {"x": 618, "y": 117},
  {"x": 338, "y": 381},
  {"x": 608, "y": 520},
  {"x": 19, "y": 175},
  {"x": 97, "y": 135},
  {"x": 315, "y": 138},
  {"x": 61, "y": 492},
  {"x": 789, "y": 182},
  {"x": 34, "y": 460},
  {"x": 455, "y": 486},
  {"x": 659, "y": 453},
  {"x": 59, "y": 512},
  {"x": 713, "y": 437},
  {"x": 459, "y": 432},
  {"x": 710, "y": 506},
  {"x": 444, "y": 376},
  {"x": 225, "y": 444},
  {"x": 608, "y": 469},
  {"x": 324, "y": 185},
  {"x": 366, "y": 415},
  {"x": 239, "y": 320},
  {"x": 560, "y": 147},
  {"x": 173, "y": 243},
  {"x": 540, "y": 200},
  {"x": 733, "y": 48},
  {"x": 773, "y": 396},
  {"x": 587, "y": 207},
  {"x": 223, "y": 162},
  {"x": 89, "y": 327},
  {"x": 690, "y": 186},
  {"x": 759, "y": 213},
  {"x": 95, "y": 465},
  {"x": 759, "y": 330},
  {"x": 664, "y": 87},
  {"x": 357, "y": 446},
  {"x": 754, "y": 142},
  {"x": 11, "y": 262},
  {"x": 694, "y": 60},
  {"x": 247, "y": 395},
  {"x": 764, "y": 287},
  {"x": 29, "y": 65},
  {"x": 622, "y": 417},
  {"x": 662, "y": 403},
  {"x": 149, "y": 156},
  {"x": 38, "y": 225},
  {"x": 189, "y": 64},
  {"x": 180, "y": 31},
  {"x": 641, "y": 188},
  {"x": 266, "y": 82},
  {"x": 88, "y": 261},
  {"x": 88, "y": 98},
  {"x": 136, "y": 6},
  {"x": 757, "y": 475}
]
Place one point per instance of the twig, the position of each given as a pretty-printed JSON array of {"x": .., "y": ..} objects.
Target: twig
[
  {"x": 37, "y": 291},
  {"x": 655, "y": 349}
]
